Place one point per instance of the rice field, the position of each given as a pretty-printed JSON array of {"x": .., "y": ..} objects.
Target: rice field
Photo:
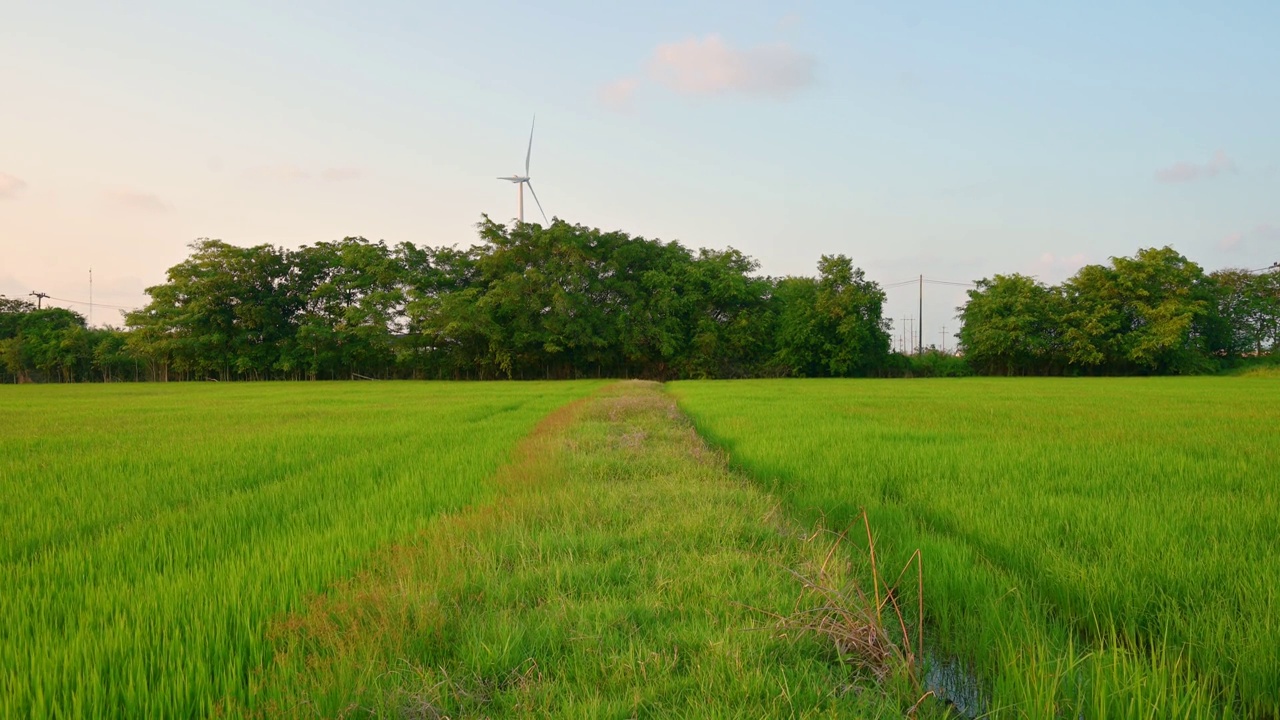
[
  {"x": 1092, "y": 547},
  {"x": 149, "y": 533}
]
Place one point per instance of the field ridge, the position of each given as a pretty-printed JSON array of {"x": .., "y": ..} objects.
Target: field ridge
[{"x": 625, "y": 571}]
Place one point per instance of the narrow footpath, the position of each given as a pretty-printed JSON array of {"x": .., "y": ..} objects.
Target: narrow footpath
[{"x": 623, "y": 571}]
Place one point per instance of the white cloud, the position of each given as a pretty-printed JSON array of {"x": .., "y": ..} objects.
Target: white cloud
[
  {"x": 710, "y": 66},
  {"x": 1181, "y": 172},
  {"x": 288, "y": 172},
  {"x": 1055, "y": 268},
  {"x": 285, "y": 172},
  {"x": 10, "y": 186},
  {"x": 340, "y": 174},
  {"x": 11, "y": 286},
  {"x": 618, "y": 94},
  {"x": 137, "y": 200},
  {"x": 789, "y": 22},
  {"x": 1263, "y": 234}
]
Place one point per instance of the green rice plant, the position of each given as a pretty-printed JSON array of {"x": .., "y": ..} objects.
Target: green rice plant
[
  {"x": 149, "y": 533},
  {"x": 1115, "y": 535}
]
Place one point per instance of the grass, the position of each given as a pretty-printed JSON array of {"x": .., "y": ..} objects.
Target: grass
[
  {"x": 623, "y": 572},
  {"x": 861, "y": 625},
  {"x": 1087, "y": 548},
  {"x": 1261, "y": 371},
  {"x": 150, "y": 533},
  {"x": 1097, "y": 548}
]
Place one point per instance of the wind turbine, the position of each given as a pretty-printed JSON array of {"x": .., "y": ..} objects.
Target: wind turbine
[{"x": 522, "y": 180}]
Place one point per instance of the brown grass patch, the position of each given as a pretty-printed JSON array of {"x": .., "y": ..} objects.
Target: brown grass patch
[{"x": 868, "y": 630}]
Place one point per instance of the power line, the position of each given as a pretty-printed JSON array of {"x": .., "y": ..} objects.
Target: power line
[
  {"x": 916, "y": 281},
  {"x": 913, "y": 337},
  {"x": 82, "y": 302}
]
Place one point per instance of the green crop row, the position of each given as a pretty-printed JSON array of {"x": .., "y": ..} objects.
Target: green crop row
[
  {"x": 1091, "y": 547},
  {"x": 149, "y": 533}
]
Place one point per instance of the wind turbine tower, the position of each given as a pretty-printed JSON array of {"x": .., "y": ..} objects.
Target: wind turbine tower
[{"x": 522, "y": 180}]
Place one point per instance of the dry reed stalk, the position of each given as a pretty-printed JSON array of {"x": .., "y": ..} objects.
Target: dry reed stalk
[{"x": 854, "y": 623}]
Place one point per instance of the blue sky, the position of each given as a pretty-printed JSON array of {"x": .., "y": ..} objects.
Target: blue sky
[{"x": 954, "y": 140}]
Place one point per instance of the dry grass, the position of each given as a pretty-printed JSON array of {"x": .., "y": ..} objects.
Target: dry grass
[{"x": 868, "y": 630}]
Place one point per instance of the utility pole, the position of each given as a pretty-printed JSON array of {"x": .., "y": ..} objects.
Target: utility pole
[
  {"x": 944, "y": 339},
  {"x": 40, "y": 297},
  {"x": 90, "y": 297},
  {"x": 920, "y": 336}
]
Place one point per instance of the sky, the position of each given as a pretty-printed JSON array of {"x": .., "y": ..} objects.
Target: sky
[{"x": 947, "y": 140}]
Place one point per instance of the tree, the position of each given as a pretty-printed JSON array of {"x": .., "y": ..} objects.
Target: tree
[
  {"x": 1247, "y": 310},
  {"x": 566, "y": 301},
  {"x": 832, "y": 325},
  {"x": 1165, "y": 300},
  {"x": 347, "y": 308},
  {"x": 849, "y": 307},
  {"x": 111, "y": 357},
  {"x": 1153, "y": 313},
  {"x": 1238, "y": 311},
  {"x": 799, "y": 334},
  {"x": 223, "y": 313},
  {"x": 729, "y": 314},
  {"x": 1093, "y": 321},
  {"x": 50, "y": 344},
  {"x": 1010, "y": 326},
  {"x": 1265, "y": 291}
]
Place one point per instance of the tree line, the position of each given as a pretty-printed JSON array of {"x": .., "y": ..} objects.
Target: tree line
[
  {"x": 567, "y": 301},
  {"x": 1156, "y": 313},
  {"x": 529, "y": 302}
]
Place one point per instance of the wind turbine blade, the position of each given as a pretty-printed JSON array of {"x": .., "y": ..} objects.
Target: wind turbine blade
[
  {"x": 529, "y": 153},
  {"x": 535, "y": 199}
]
